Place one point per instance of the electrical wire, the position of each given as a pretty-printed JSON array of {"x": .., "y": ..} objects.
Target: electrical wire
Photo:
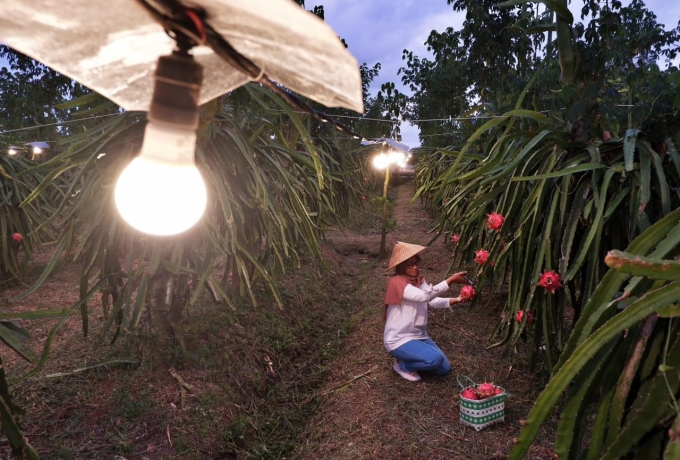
[
  {"x": 59, "y": 123},
  {"x": 192, "y": 29},
  {"x": 189, "y": 28}
]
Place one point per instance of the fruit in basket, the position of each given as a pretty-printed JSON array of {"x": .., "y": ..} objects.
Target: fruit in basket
[
  {"x": 469, "y": 394},
  {"x": 467, "y": 292},
  {"x": 486, "y": 390},
  {"x": 499, "y": 391}
]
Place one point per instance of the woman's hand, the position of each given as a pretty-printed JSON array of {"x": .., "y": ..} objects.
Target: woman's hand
[
  {"x": 454, "y": 300},
  {"x": 457, "y": 278}
]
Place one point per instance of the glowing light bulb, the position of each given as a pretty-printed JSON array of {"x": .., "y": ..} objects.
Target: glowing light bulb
[
  {"x": 381, "y": 161},
  {"x": 12, "y": 151},
  {"x": 37, "y": 150},
  {"x": 161, "y": 192}
]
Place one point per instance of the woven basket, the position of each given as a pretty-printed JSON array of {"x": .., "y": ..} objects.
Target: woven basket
[{"x": 481, "y": 413}]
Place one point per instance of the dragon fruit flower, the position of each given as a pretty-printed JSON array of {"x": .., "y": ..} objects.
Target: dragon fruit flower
[
  {"x": 17, "y": 237},
  {"x": 495, "y": 221},
  {"x": 481, "y": 256},
  {"x": 550, "y": 281}
]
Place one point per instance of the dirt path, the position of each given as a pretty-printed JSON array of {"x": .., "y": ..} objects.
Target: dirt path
[{"x": 368, "y": 412}]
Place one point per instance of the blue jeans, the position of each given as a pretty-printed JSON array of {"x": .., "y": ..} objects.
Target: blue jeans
[{"x": 422, "y": 355}]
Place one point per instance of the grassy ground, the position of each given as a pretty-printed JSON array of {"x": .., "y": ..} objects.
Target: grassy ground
[{"x": 309, "y": 381}]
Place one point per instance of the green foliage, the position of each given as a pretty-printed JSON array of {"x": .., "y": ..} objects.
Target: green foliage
[
  {"x": 565, "y": 203},
  {"x": 569, "y": 187},
  {"x": 272, "y": 189},
  {"x": 15, "y": 186},
  {"x": 623, "y": 349},
  {"x": 21, "y": 232},
  {"x": 597, "y": 173}
]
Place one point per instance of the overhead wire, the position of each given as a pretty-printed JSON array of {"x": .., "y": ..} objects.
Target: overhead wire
[
  {"x": 58, "y": 123},
  {"x": 189, "y": 24}
]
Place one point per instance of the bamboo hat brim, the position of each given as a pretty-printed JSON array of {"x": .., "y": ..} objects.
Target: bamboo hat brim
[{"x": 403, "y": 252}]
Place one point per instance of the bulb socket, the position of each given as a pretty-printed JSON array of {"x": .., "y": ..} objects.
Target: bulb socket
[{"x": 178, "y": 81}]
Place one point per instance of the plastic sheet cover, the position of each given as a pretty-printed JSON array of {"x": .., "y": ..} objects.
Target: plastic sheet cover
[{"x": 112, "y": 47}]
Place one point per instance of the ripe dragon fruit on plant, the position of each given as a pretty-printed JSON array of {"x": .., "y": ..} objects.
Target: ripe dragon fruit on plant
[
  {"x": 495, "y": 221},
  {"x": 455, "y": 238},
  {"x": 481, "y": 256},
  {"x": 530, "y": 317},
  {"x": 467, "y": 292},
  {"x": 17, "y": 237}
]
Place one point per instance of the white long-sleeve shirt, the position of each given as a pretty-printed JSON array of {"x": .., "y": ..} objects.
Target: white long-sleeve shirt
[{"x": 408, "y": 321}]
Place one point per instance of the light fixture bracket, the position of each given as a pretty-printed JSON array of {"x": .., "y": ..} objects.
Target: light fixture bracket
[{"x": 178, "y": 81}]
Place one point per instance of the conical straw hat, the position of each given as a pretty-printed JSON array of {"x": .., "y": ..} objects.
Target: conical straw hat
[{"x": 402, "y": 252}]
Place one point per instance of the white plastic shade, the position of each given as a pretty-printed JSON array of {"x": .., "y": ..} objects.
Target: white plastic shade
[{"x": 112, "y": 47}]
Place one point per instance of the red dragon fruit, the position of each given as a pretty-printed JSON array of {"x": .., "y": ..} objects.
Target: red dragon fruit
[
  {"x": 495, "y": 221},
  {"x": 17, "y": 237},
  {"x": 498, "y": 391},
  {"x": 486, "y": 390},
  {"x": 467, "y": 292},
  {"x": 530, "y": 317},
  {"x": 455, "y": 238},
  {"x": 481, "y": 256},
  {"x": 469, "y": 394}
]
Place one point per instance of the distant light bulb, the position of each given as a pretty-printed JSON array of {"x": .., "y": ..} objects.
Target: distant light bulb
[
  {"x": 381, "y": 161},
  {"x": 161, "y": 192},
  {"x": 37, "y": 150},
  {"x": 395, "y": 156},
  {"x": 12, "y": 151}
]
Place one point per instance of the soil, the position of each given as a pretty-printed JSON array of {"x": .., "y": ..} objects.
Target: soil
[{"x": 250, "y": 387}]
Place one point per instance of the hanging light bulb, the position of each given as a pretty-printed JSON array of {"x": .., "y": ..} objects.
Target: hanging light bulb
[
  {"x": 13, "y": 150},
  {"x": 161, "y": 192}
]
